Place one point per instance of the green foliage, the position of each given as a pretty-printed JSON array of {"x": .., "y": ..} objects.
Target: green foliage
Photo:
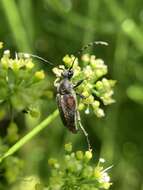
[
  {"x": 75, "y": 171},
  {"x": 13, "y": 167},
  {"x": 53, "y": 28},
  {"x": 20, "y": 83}
]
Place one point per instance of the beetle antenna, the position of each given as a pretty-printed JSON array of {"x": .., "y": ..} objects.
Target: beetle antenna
[
  {"x": 87, "y": 46},
  {"x": 27, "y": 55}
]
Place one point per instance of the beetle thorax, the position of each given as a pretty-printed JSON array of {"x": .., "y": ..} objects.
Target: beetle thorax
[{"x": 65, "y": 87}]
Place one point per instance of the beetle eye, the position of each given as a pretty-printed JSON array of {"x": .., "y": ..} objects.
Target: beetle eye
[{"x": 70, "y": 73}]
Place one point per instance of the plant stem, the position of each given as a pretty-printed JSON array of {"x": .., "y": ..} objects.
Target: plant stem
[{"x": 30, "y": 135}]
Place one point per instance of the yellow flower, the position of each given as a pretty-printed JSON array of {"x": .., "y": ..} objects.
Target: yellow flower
[
  {"x": 88, "y": 72},
  {"x": 67, "y": 60},
  {"x": 29, "y": 65},
  {"x": 57, "y": 71},
  {"x": 95, "y": 104},
  {"x": 40, "y": 75},
  {"x": 85, "y": 58},
  {"x": 98, "y": 173},
  {"x": 81, "y": 106},
  {"x": 99, "y": 112},
  {"x": 68, "y": 147},
  {"x": 88, "y": 100},
  {"x": 88, "y": 155},
  {"x": 79, "y": 155}
]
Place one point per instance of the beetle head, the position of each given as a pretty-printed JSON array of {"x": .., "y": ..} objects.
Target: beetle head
[{"x": 68, "y": 73}]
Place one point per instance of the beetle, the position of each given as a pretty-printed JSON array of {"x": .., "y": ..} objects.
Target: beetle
[{"x": 67, "y": 97}]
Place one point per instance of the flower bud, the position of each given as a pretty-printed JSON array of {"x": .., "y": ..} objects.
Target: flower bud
[
  {"x": 99, "y": 85},
  {"x": 81, "y": 106},
  {"x": 89, "y": 100},
  {"x": 88, "y": 155},
  {"x": 67, "y": 157},
  {"x": 106, "y": 83},
  {"x": 99, "y": 112},
  {"x": 95, "y": 104},
  {"x": 68, "y": 147},
  {"x": 79, "y": 155},
  {"x": 88, "y": 72},
  {"x": 40, "y": 75},
  {"x": 29, "y": 65},
  {"x": 7, "y": 53},
  {"x": 67, "y": 60},
  {"x": 87, "y": 172},
  {"x": 85, "y": 93},
  {"x": 99, "y": 73},
  {"x": 57, "y": 72},
  {"x": 92, "y": 57},
  {"x": 85, "y": 58}
]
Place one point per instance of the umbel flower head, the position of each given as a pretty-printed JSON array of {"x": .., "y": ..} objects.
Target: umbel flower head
[
  {"x": 75, "y": 171},
  {"x": 96, "y": 88},
  {"x": 22, "y": 84}
]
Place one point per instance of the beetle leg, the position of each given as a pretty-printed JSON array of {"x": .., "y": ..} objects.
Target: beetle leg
[
  {"x": 78, "y": 83},
  {"x": 83, "y": 130}
]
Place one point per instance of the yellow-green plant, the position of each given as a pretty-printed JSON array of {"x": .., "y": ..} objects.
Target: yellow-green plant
[
  {"x": 96, "y": 88},
  {"x": 22, "y": 85},
  {"x": 76, "y": 171}
]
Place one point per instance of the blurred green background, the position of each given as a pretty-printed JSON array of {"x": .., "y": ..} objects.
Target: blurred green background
[{"x": 53, "y": 28}]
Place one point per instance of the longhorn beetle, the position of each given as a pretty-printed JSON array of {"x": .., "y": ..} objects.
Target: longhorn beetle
[
  {"x": 67, "y": 100},
  {"x": 66, "y": 94}
]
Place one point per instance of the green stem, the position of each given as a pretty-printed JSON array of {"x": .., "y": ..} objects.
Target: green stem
[{"x": 30, "y": 135}]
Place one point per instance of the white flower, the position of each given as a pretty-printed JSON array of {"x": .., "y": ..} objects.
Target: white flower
[
  {"x": 99, "y": 112},
  {"x": 26, "y": 55},
  {"x": 7, "y": 52},
  {"x": 106, "y": 177},
  {"x": 102, "y": 160},
  {"x": 85, "y": 57}
]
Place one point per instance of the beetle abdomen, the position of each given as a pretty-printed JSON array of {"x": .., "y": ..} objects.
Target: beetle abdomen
[{"x": 67, "y": 108}]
